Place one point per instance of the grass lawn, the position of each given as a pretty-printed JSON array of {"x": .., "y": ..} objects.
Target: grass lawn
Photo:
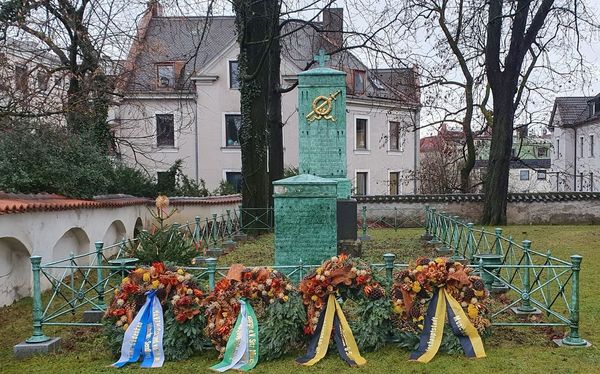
[{"x": 509, "y": 350}]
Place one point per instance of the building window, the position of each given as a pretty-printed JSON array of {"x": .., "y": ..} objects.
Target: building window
[
  {"x": 233, "y": 122},
  {"x": 165, "y": 181},
  {"x": 541, "y": 174},
  {"x": 234, "y": 178},
  {"x": 165, "y": 75},
  {"x": 557, "y": 148},
  {"x": 394, "y": 136},
  {"x": 524, "y": 175},
  {"x": 591, "y": 145},
  {"x": 394, "y": 183},
  {"x": 513, "y": 153},
  {"x": 165, "y": 130},
  {"x": 542, "y": 152},
  {"x": 581, "y": 146},
  {"x": 359, "y": 81},
  {"x": 362, "y": 127},
  {"x": 21, "y": 78},
  {"x": 362, "y": 178},
  {"x": 42, "y": 80},
  {"x": 234, "y": 76}
]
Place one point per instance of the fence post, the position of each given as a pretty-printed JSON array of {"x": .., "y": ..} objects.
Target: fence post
[
  {"x": 240, "y": 218},
  {"x": 573, "y": 338},
  {"x": 100, "y": 275},
  {"x": 228, "y": 228},
  {"x": 72, "y": 280},
  {"x": 427, "y": 235},
  {"x": 38, "y": 334},
  {"x": 364, "y": 236},
  {"x": 434, "y": 230},
  {"x": 526, "y": 307},
  {"x": 196, "y": 236},
  {"x": 470, "y": 244},
  {"x": 498, "y": 232},
  {"x": 389, "y": 258},
  {"x": 456, "y": 256},
  {"x": 211, "y": 264}
]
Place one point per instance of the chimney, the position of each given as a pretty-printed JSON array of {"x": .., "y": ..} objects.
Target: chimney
[
  {"x": 155, "y": 7},
  {"x": 333, "y": 25}
]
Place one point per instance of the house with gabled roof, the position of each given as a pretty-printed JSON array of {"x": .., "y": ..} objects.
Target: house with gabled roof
[
  {"x": 575, "y": 127},
  {"x": 181, "y": 100}
]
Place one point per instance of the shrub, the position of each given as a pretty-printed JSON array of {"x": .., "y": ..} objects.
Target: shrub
[{"x": 166, "y": 244}]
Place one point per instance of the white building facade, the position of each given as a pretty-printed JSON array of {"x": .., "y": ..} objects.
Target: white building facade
[
  {"x": 575, "y": 127},
  {"x": 179, "y": 104}
]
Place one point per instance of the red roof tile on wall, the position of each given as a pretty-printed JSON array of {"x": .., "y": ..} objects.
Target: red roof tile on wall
[{"x": 21, "y": 203}]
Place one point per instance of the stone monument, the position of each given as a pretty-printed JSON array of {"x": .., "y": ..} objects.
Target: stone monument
[
  {"x": 322, "y": 136},
  {"x": 314, "y": 210}
]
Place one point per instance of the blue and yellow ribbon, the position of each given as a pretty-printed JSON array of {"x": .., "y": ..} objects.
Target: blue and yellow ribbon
[
  {"x": 144, "y": 336},
  {"x": 443, "y": 304},
  {"x": 332, "y": 319}
]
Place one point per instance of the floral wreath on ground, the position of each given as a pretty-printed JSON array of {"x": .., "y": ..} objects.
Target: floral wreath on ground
[
  {"x": 415, "y": 286},
  {"x": 180, "y": 298},
  {"x": 276, "y": 304},
  {"x": 362, "y": 298}
]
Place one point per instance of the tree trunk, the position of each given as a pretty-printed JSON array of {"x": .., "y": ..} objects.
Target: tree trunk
[
  {"x": 276, "y": 162},
  {"x": 253, "y": 31},
  {"x": 496, "y": 185}
]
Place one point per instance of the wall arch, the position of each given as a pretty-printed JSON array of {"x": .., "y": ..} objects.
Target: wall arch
[
  {"x": 74, "y": 240},
  {"x": 15, "y": 270},
  {"x": 114, "y": 233}
]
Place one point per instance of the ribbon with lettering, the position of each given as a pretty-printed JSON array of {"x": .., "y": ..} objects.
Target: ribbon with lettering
[
  {"x": 241, "y": 352},
  {"x": 332, "y": 319},
  {"x": 144, "y": 336},
  {"x": 443, "y": 304}
]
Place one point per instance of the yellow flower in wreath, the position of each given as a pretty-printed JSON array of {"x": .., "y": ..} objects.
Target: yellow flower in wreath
[
  {"x": 416, "y": 286},
  {"x": 146, "y": 277},
  {"x": 472, "y": 311}
]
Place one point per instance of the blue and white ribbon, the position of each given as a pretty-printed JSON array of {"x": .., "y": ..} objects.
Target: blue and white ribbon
[{"x": 144, "y": 336}]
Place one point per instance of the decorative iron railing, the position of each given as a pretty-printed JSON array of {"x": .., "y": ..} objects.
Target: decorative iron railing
[{"x": 535, "y": 283}]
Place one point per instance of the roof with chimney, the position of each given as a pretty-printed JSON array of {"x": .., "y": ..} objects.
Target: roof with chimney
[
  {"x": 573, "y": 111},
  {"x": 193, "y": 42}
]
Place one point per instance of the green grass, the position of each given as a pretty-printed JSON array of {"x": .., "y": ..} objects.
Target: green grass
[{"x": 522, "y": 350}]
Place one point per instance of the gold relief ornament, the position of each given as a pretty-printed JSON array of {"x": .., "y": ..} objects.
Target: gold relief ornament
[{"x": 322, "y": 106}]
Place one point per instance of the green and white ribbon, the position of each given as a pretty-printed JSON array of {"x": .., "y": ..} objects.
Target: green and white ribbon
[{"x": 241, "y": 352}]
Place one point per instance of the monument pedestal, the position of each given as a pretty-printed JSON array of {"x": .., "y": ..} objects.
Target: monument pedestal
[
  {"x": 346, "y": 219},
  {"x": 24, "y": 349}
]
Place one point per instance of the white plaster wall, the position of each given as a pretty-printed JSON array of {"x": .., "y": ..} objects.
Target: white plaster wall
[{"x": 55, "y": 234}]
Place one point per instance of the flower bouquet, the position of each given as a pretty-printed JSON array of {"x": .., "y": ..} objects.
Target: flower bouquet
[
  {"x": 414, "y": 287},
  {"x": 180, "y": 298},
  {"x": 274, "y": 300},
  {"x": 361, "y": 296}
]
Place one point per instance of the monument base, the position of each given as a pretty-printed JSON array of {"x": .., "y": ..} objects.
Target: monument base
[
  {"x": 346, "y": 219},
  {"x": 350, "y": 247},
  {"x": 92, "y": 316},
  {"x": 24, "y": 349}
]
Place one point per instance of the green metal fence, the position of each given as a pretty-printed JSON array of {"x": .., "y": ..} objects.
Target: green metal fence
[{"x": 535, "y": 283}]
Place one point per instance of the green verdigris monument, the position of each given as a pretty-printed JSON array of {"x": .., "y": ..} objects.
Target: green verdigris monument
[{"x": 307, "y": 206}]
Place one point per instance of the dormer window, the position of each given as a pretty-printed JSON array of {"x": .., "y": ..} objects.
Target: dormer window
[
  {"x": 165, "y": 75},
  {"x": 359, "y": 81},
  {"x": 596, "y": 107}
]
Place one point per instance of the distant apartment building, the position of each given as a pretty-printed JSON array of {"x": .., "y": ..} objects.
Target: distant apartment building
[
  {"x": 31, "y": 82},
  {"x": 575, "y": 127},
  {"x": 529, "y": 165},
  {"x": 181, "y": 100}
]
